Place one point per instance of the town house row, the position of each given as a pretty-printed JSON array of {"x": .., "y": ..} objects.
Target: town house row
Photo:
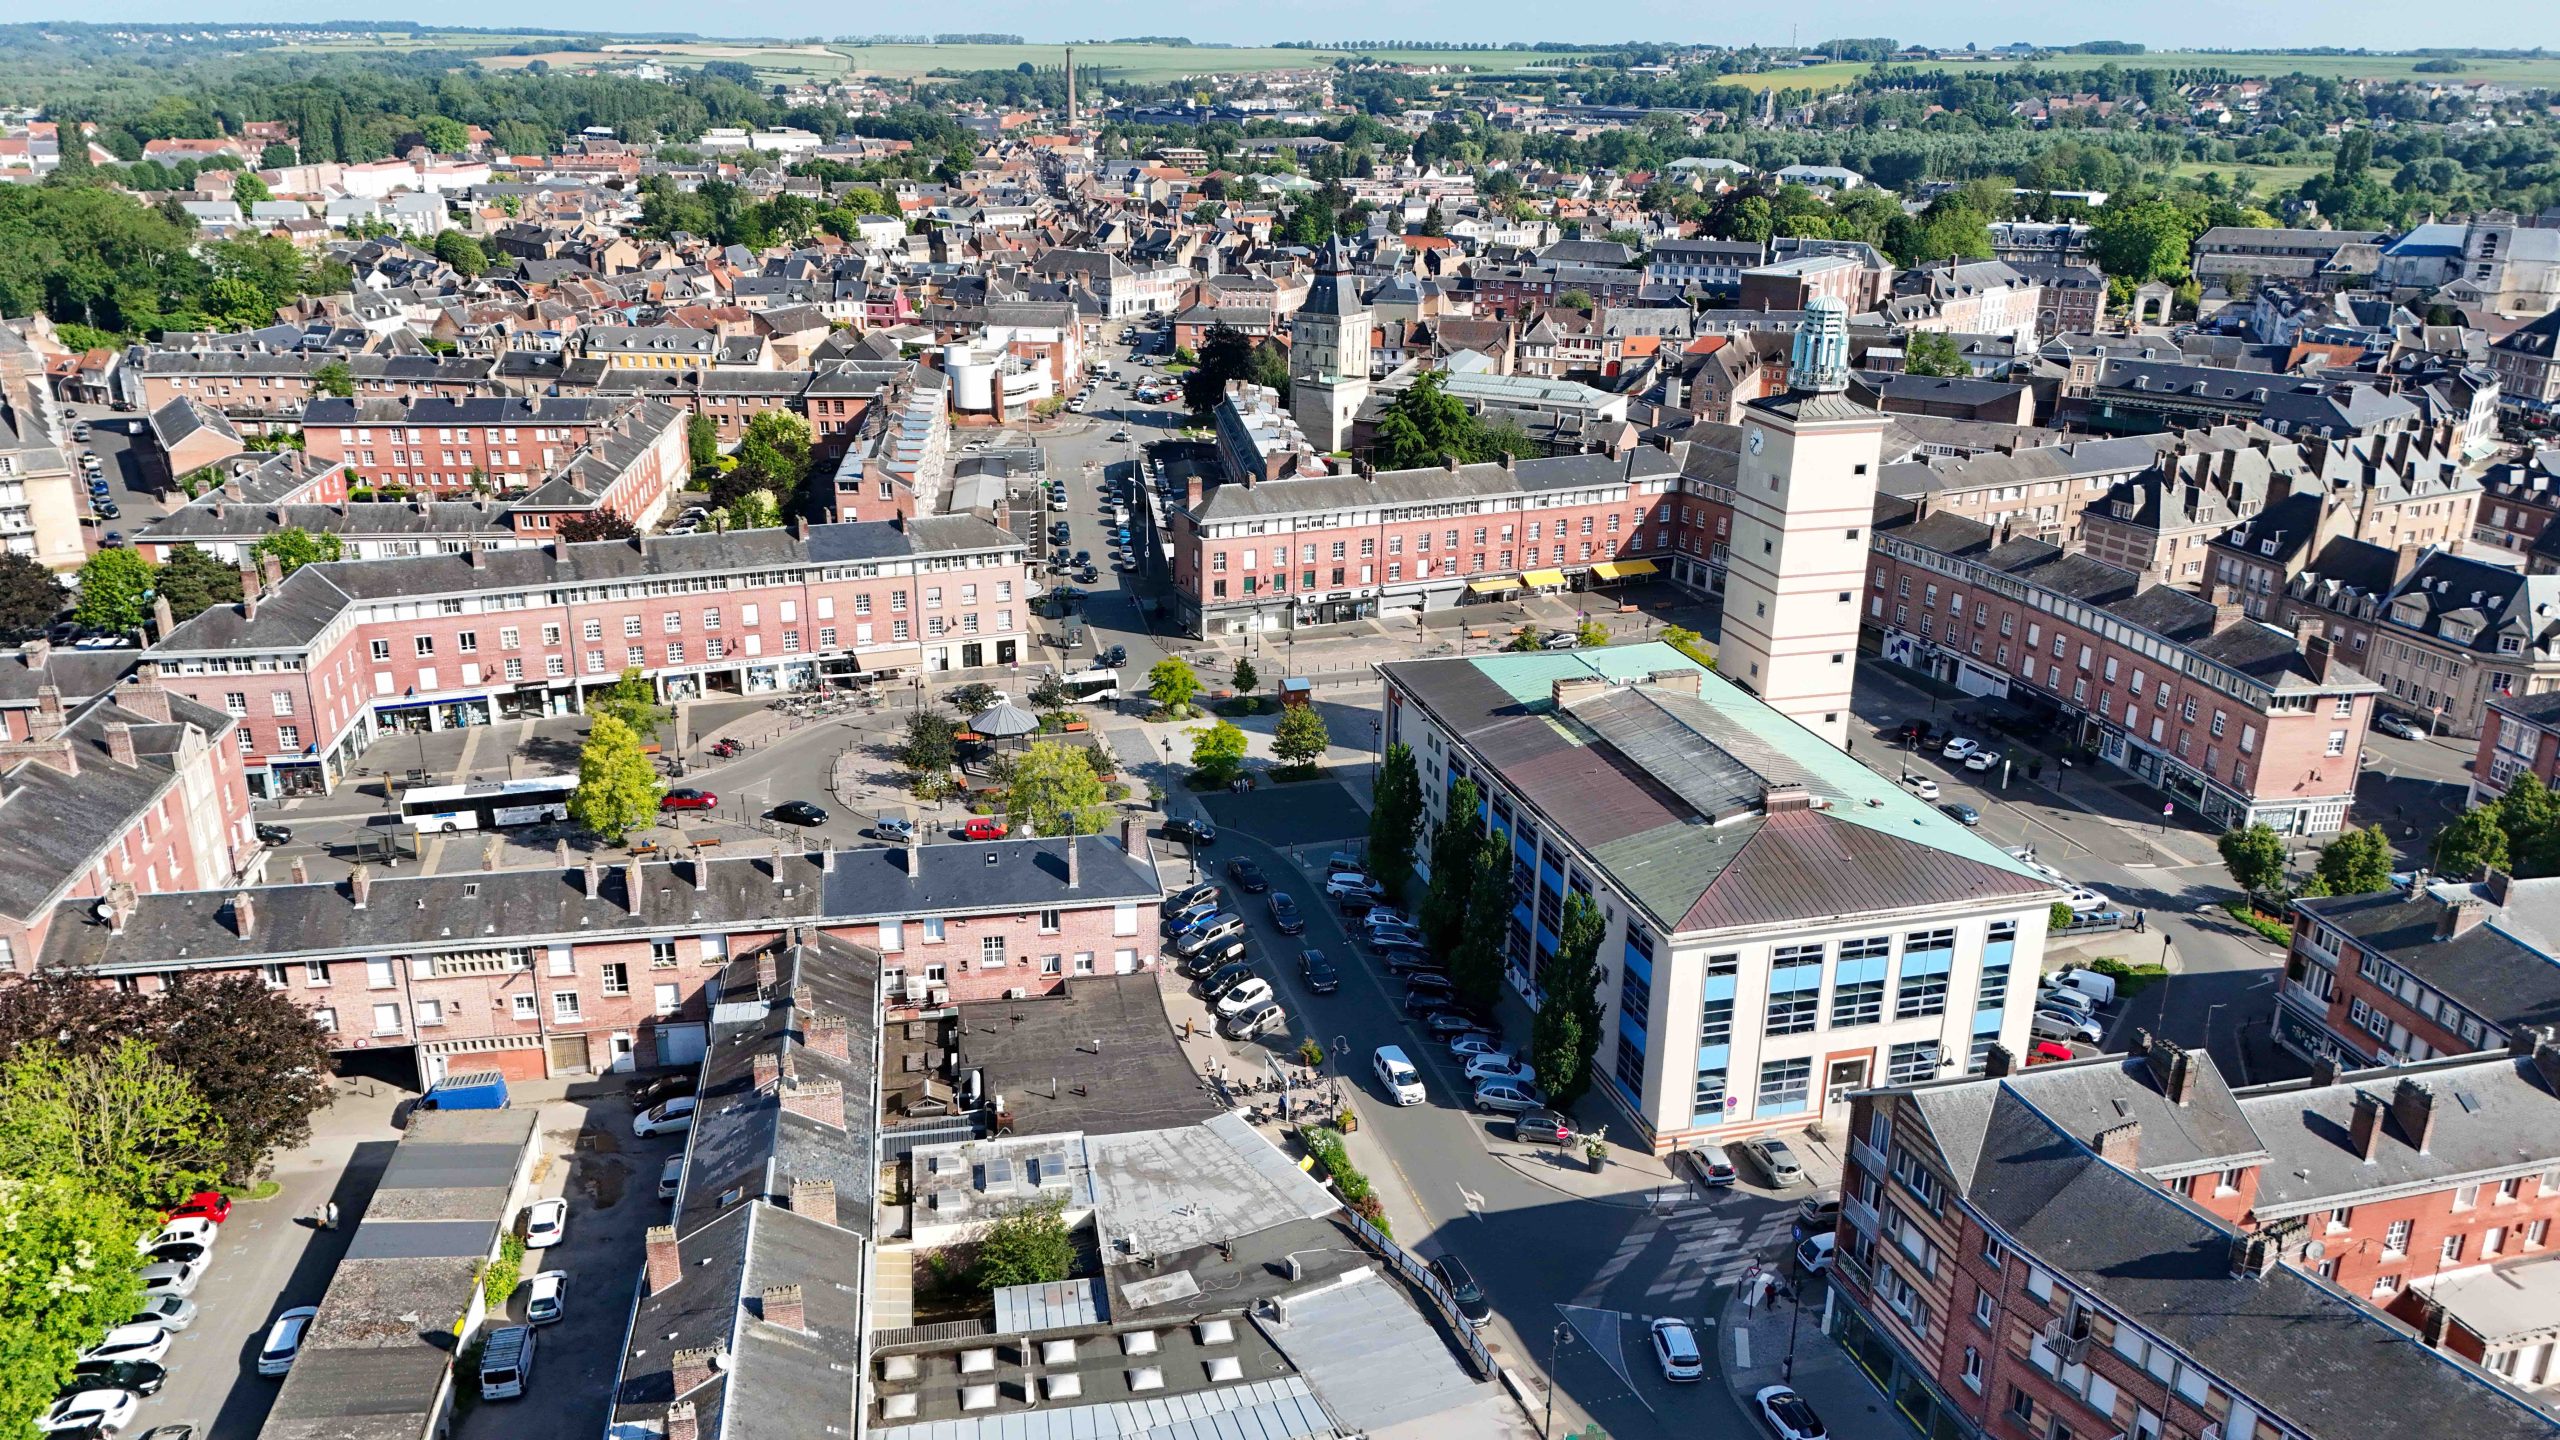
[
  {"x": 573, "y": 969},
  {"x": 316, "y": 667}
]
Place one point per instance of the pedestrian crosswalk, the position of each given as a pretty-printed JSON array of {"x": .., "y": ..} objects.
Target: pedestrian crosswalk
[{"x": 1681, "y": 1249}]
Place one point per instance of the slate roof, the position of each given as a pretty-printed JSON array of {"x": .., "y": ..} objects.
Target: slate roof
[
  {"x": 1636, "y": 775},
  {"x": 58, "y": 823},
  {"x": 2493, "y": 1116},
  {"x": 1429, "y": 485}
]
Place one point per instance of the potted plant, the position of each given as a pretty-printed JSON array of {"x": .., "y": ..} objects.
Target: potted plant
[{"x": 1595, "y": 1148}]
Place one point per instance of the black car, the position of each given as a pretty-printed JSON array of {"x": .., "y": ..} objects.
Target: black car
[
  {"x": 1191, "y": 832},
  {"x": 1423, "y": 1004},
  {"x": 1248, "y": 876},
  {"x": 1285, "y": 916},
  {"x": 178, "y": 1252},
  {"x": 1464, "y": 1292},
  {"x": 141, "y": 1377},
  {"x": 107, "y": 508},
  {"x": 1084, "y": 558},
  {"x": 275, "y": 834},
  {"x": 1113, "y": 658},
  {"x": 1225, "y": 980},
  {"x": 1319, "y": 973},
  {"x": 648, "y": 1090},
  {"x": 799, "y": 812},
  {"x": 1089, "y": 575}
]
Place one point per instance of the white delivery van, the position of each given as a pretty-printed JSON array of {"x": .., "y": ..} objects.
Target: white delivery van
[
  {"x": 2099, "y": 988},
  {"x": 506, "y": 1362}
]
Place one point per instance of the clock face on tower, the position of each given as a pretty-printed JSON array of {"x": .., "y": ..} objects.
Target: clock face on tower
[{"x": 1758, "y": 439}]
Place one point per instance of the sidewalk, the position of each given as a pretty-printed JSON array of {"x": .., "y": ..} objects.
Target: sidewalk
[{"x": 1779, "y": 1343}]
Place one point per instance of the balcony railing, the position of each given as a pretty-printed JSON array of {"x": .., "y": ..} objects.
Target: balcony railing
[
  {"x": 1862, "y": 1216},
  {"x": 1869, "y": 1158}
]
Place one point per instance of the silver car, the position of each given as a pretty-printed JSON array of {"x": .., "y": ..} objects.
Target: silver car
[
  {"x": 171, "y": 1277},
  {"x": 169, "y": 1312}
]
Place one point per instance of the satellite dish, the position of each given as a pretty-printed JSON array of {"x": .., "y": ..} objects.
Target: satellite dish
[
  {"x": 2313, "y": 1252},
  {"x": 103, "y": 910}
]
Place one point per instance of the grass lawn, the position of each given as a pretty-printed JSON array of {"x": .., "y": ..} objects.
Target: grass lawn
[{"x": 2544, "y": 71}]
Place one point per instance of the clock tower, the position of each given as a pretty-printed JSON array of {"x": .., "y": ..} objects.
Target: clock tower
[
  {"x": 1329, "y": 353},
  {"x": 1804, "y": 499}
]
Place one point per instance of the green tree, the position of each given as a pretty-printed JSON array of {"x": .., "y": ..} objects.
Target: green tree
[
  {"x": 754, "y": 510},
  {"x": 1688, "y": 642},
  {"x": 1172, "y": 684},
  {"x": 2471, "y": 841},
  {"x": 1248, "y": 679},
  {"x": 929, "y": 748},
  {"x": 1052, "y": 791},
  {"x": 1590, "y": 633},
  {"x": 702, "y": 442},
  {"x": 2530, "y": 814},
  {"x": 1566, "y": 1032},
  {"x": 254, "y": 1054},
  {"x": 444, "y": 135},
  {"x": 2358, "y": 862},
  {"x": 1027, "y": 1245},
  {"x": 1475, "y": 962},
  {"x": 618, "y": 788},
  {"x": 294, "y": 547},
  {"x": 1395, "y": 820},
  {"x": 67, "y": 1275},
  {"x": 1524, "y": 639},
  {"x": 633, "y": 700},
  {"x": 2141, "y": 240},
  {"x": 1453, "y": 848},
  {"x": 248, "y": 190},
  {"x": 30, "y": 596},
  {"x": 2255, "y": 857},
  {"x": 1226, "y": 354},
  {"x": 773, "y": 455},
  {"x": 1574, "y": 300},
  {"x": 1299, "y": 741},
  {"x": 276, "y": 157},
  {"x": 115, "y": 591},
  {"x": 1050, "y": 693},
  {"x": 1423, "y": 427},
  {"x": 1217, "y": 752},
  {"x": 969, "y": 700},
  {"x": 1933, "y": 353},
  {"x": 193, "y": 581},
  {"x": 121, "y": 1120},
  {"x": 462, "y": 252},
  {"x": 335, "y": 379}
]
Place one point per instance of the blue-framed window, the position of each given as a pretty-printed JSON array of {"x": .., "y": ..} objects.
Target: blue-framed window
[
  {"x": 1786, "y": 1087},
  {"x": 1858, "y": 981},
  {"x": 1926, "y": 957},
  {"x": 1795, "y": 989}
]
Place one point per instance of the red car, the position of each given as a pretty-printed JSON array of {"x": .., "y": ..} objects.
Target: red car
[
  {"x": 689, "y": 800},
  {"x": 2047, "y": 1051},
  {"x": 210, "y": 1205},
  {"x": 985, "y": 827}
]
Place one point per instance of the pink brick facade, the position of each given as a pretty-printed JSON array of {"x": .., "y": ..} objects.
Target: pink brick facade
[{"x": 448, "y": 460}]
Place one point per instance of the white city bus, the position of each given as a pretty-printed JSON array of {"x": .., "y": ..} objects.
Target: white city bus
[
  {"x": 1093, "y": 684},
  {"x": 488, "y": 804}
]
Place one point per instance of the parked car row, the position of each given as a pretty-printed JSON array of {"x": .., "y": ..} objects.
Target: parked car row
[{"x": 130, "y": 1362}]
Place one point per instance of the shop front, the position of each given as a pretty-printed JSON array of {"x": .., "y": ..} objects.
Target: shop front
[{"x": 1914, "y": 1395}]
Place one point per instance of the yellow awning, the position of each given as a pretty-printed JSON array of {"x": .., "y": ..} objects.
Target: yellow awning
[
  {"x": 1494, "y": 586},
  {"x": 1542, "y": 578},
  {"x": 1622, "y": 569}
]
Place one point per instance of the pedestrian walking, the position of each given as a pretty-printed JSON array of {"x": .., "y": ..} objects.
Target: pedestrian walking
[{"x": 2141, "y": 921}]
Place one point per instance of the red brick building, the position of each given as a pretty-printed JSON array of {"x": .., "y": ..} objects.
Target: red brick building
[
  {"x": 446, "y": 447},
  {"x": 2446, "y": 967},
  {"x": 596, "y": 968}
]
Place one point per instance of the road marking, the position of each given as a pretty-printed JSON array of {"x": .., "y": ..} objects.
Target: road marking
[
  {"x": 1473, "y": 1201},
  {"x": 1742, "y": 1349}
]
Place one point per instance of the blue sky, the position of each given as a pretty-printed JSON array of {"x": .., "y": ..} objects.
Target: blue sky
[{"x": 2162, "y": 24}]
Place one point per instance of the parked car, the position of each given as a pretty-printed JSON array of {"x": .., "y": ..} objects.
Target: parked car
[
  {"x": 799, "y": 812},
  {"x": 1500, "y": 1065},
  {"x": 1218, "y": 932},
  {"x": 1961, "y": 813},
  {"x": 1351, "y": 882},
  {"x": 1982, "y": 760},
  {"x": 896, "y": 829},
  {"x": 169, "y": 1277},
  {"x": 671, "y": 1117},
  {"x": 1224, "y": 980},
  {"x": 179, "y": 1252},
  {"x": 1409, "y": 949},
  {"x": 1508, "y": 1097},
  {"x": 1248, "y": 876},
  {"x": 1191, "y": 832},
  {"x": 1437, "y": 987},
  {"x": 186, "y": 1228},
  {"x": 1922, "y": 786},
  {"x": 1318, "y": 972},
  {"x": 983, "y": 827},
  {"x": 1414, "y": 964},
  {"x": 1464, "y": 1293},
  {"x": 129, "y": 1342},
  {"x": 1960, "y": 747},
  {"x": 649, "y": 1090},
  {"x": 1820, "y": 1210},
  {"x": 1541, "y": 1127},
  {"x": 2391, "y": 722},
  {"x": 1285, "y": 915},
  {"x": 1251, "y": 991},
  {"x": 169, "y": 1312},
  {"x": 1192, "y": 895},
  {"x": 212, "y": 1205},
  {"x": 284, "y": 1340},
  {"x": 2046, "y": 1052},
  {"x": 1816, "y": 1251},
  {"x": 546, "y": 1297},
  {"x": 1788, "y": 1415},
  {"x": 1675, "y": 1349},
  {"x": 2064, "y": 1001},
  {"x": 1463, "y": 1048},
  {"x": 688, "y": 798},
  {"x": 2058, "y": 1025},
  {"x": 90, "y": 1412},
  {"x": 1714, "y": 1165},
  {"x": 1402, "y": 1082},
  {"x": 1773, "y": 1159},
  {"x": 1253, "y": 1020},
  {"x": 1447, "y": 1025},
  {"x": 2097, "y": 986},
  {"x": 546, "y": 1223},
  {"x": 137, "y": 1377},
  {"x": 272, "y": 835},
  {"x": 1177, "y": 921},
  {"x": 1559, "y": 640}
]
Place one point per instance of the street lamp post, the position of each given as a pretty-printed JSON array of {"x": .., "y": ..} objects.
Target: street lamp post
[{"x": 1555, "y": 1345}]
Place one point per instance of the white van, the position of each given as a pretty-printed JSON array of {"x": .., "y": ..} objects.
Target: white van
[
  {"x": 671, "y": 1177},
  {"x": 506, "y": 1362},
  {"x": 2100, "y": 988},
  {"x": 1396, "y": 1073}
]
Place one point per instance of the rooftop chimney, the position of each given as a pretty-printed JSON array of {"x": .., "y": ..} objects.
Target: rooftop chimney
[
  {"x": 120, "y": 746},
  {"x": 680, "y": 1424},
  {"x": 1998, "y": 1061},
  {"x": 782, "y": 1306},
  {"x": 1072, "y": 850},
  {"x": 145, "y": 698},
  {"x": 815, "y": 1199},
  {"x": 634, "y": 884},
  {"x": 244, "y": 915},
  {"x": 2121, "y": 1144},
  {"x": 360, "y": 885},
  {"x": 2413, "y": 1105},
  {"x": 2253, "y": 1256},
  {"x": 49, "y": 720},
  {"x": 666, "y": 1265},
  {"x": 2364, "y": 1132},
  {"x": 829, "y": 1035},
  {"x": 694, "y": 1368},
  {"x": 2459, "y": 916},
  {"x": 593, "y": 875},
  {"x": 766, "y": 1069},
  {"x": 819, "y": 1100},
  {"x": 2173, "y": 1068},
  {"x": 273, "y": 569},
  {"x": 915, "y": 854},
  {"x": 2498, "y": 883},
  {"x": 34, "y": 652}
]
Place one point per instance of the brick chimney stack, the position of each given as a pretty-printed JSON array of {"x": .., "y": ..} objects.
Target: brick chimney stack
[
  {"x": 666, "y": 1262},
  {"x": 634, "y": 885},
  {"x": 2413, "y": 1105},
  {"x": 120, "y": 747},
  {"x": 766, "y": 1069},
  {"x": 815, "y": 1199},
  {"x": 2121, "y": 1144},
  {"x": 819, "y": 1100},
  {"x": 1072, "y": 850},
  {"x": 2364, "y": 1134},
  {"x": 244, "y": 914},
  {"x": 831, "y": 1036},
  {"x": 680, "y": 1422},
  {"x": 782, "y": 1306},
  {"x": 694, "y": 1368},
  {"x": 360, "y": 885}
]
